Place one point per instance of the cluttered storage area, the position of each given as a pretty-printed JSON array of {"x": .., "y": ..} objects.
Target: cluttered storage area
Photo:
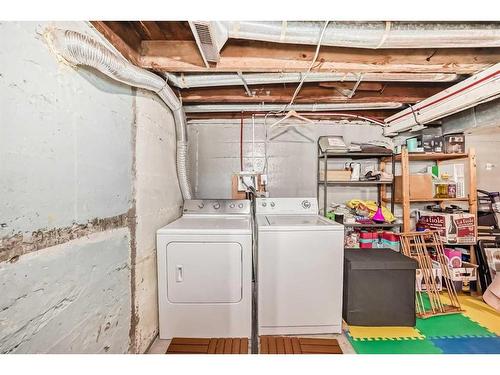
[{"x": 224, "y": 187}]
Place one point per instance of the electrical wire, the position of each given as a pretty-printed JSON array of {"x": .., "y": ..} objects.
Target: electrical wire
[{"x": 316, "y": 54}]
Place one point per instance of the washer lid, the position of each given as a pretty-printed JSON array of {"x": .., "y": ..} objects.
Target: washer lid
[
  {"x": 208, "y": 224},
  {"x": 296, "y": 222}
]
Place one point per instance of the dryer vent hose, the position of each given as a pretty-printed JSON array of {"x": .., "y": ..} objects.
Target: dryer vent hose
[{"x": 78, "y": 49}]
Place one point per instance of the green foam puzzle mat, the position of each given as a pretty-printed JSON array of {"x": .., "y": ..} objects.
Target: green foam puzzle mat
[
  {"x": 453, "y": 325},
  {"x": 394, "y": 347}
]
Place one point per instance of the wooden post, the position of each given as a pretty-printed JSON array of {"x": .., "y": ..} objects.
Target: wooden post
[
  {"x": 473, "y": 203},
  {"x": 405, "y": 173}
]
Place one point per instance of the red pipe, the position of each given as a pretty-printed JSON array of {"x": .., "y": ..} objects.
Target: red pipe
[
  {"x": 447, "y": 96},
  {"x": 241, "y": 143}
]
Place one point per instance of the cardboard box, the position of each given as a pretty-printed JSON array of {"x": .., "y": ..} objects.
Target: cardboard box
[
  {"x": 437, "y": 274},
  {"x": 420, "y": 187},
  {"x": 453, "y": 228},
  {"x": 466, "y": 273},
  {"x": 454, "y": 143},
  {"x": 339, "y": 175}
]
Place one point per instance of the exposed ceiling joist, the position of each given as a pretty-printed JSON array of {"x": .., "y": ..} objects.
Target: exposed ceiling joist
[
  {"x": 379, "y": 115},
  {"x": 251, "y": 56},
  {"x": 335, "y": 92}
]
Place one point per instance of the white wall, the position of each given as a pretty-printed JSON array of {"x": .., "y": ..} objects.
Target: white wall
[
  {"x": 158, "y": 202},
  {"x": 291, "y": 159},
  {"x": 66, "y": 159}
]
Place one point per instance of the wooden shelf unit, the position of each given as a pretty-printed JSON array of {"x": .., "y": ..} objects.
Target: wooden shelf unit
[{"x": 405, "y": 157}]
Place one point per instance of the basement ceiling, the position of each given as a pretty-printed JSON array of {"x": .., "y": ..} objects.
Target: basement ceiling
[{"x": 171, "y": 47}]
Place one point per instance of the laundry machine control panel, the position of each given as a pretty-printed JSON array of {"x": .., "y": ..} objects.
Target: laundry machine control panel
[
  {"x": 217, "y": 206},
  {"x": 286, "y": 206}
]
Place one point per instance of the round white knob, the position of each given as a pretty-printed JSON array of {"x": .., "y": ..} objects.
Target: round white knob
[
  {"x": 264, "y": 204},
  {"x": 231, "y": 205},
  {"x": 306, "y": 204},
  {"x": 240, "y": 205},
  {"x": 217, "y": 205},
  {"x": 272, "y": 204},
  {"x": 201, "y": 205}
]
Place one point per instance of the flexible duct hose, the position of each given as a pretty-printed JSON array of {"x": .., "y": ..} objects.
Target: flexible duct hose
[{"x": 80, "y": 49}]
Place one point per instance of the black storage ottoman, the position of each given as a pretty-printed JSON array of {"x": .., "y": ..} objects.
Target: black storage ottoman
[{"x": 379, "y": 288}]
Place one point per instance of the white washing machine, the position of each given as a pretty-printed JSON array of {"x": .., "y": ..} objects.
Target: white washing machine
[
  {"x": 300, "y": 268},
  {"x": 205, "y": 271}
]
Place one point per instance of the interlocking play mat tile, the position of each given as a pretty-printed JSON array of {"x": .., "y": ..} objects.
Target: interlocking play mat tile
[
  {"x": 386, "y": 333},
  {"x": 479, "y": 312},
  {"x": 453, "y": 325},
  {"x": 469, "y": 345},
  {"x": 394, "y": 347}
]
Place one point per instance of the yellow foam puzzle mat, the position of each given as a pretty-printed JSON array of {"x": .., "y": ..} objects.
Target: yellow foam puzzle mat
[
  {"x": 384, "y": 333},
  {"x": 479, "y": 312}
]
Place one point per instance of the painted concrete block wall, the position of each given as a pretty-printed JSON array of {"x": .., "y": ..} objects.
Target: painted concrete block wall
[
  {"x": 70, "y": 298},
  {"x": 66, "y": 159},
  {"x": 291, "y": 158},
  {"x": 64, "y": 137},
  {"x": 158, "y": 202}
]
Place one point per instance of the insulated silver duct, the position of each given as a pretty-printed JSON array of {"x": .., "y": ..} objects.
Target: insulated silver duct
[
  {"x": 370, "y": 34},
  {"x": 80, "y": 49}
]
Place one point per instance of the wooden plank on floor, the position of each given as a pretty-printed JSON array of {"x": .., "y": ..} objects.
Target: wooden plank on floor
[
  {"x": 320, "y": 349},
  {"x": 235, "y": 349},
  {"x": 280, "y": 345},
  {"x": 264, "y": 345},
  {"x": 212, "y": 346},
  {"x": 314, "y": 341},
  {"x": 272, "y": 345},
  {"x": 220, "y": 346},
  {"x": 194, "y": 349},
  {"x": 228, "y": 345},
  {"x": 189, "y": 341},
  {"x": 288, "y": 345},
  {"x": 296, "y": 346},
  {"x": 244, "y": 346}
]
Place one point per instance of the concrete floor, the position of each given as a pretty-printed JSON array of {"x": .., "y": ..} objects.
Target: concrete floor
[{"x": 160, "y": 346}]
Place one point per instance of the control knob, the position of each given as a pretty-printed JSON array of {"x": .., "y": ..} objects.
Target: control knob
[
  {"x": 306, "y": 204},
  {"x": 240, "y": 205},
  {"x": 217, "y": 205}
]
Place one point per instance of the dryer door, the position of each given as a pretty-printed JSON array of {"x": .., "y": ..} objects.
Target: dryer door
[{"x": 204, "y": 272}]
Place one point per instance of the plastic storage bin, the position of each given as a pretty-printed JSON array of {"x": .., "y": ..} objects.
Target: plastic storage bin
[{"x": 379, "y": 288}]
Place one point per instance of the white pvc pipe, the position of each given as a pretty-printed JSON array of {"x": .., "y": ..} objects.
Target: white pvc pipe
[
  {"x": 370, "y": 34},
  {"x": 481, "y": 87},
  {"x": 80, "y": 49}
]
